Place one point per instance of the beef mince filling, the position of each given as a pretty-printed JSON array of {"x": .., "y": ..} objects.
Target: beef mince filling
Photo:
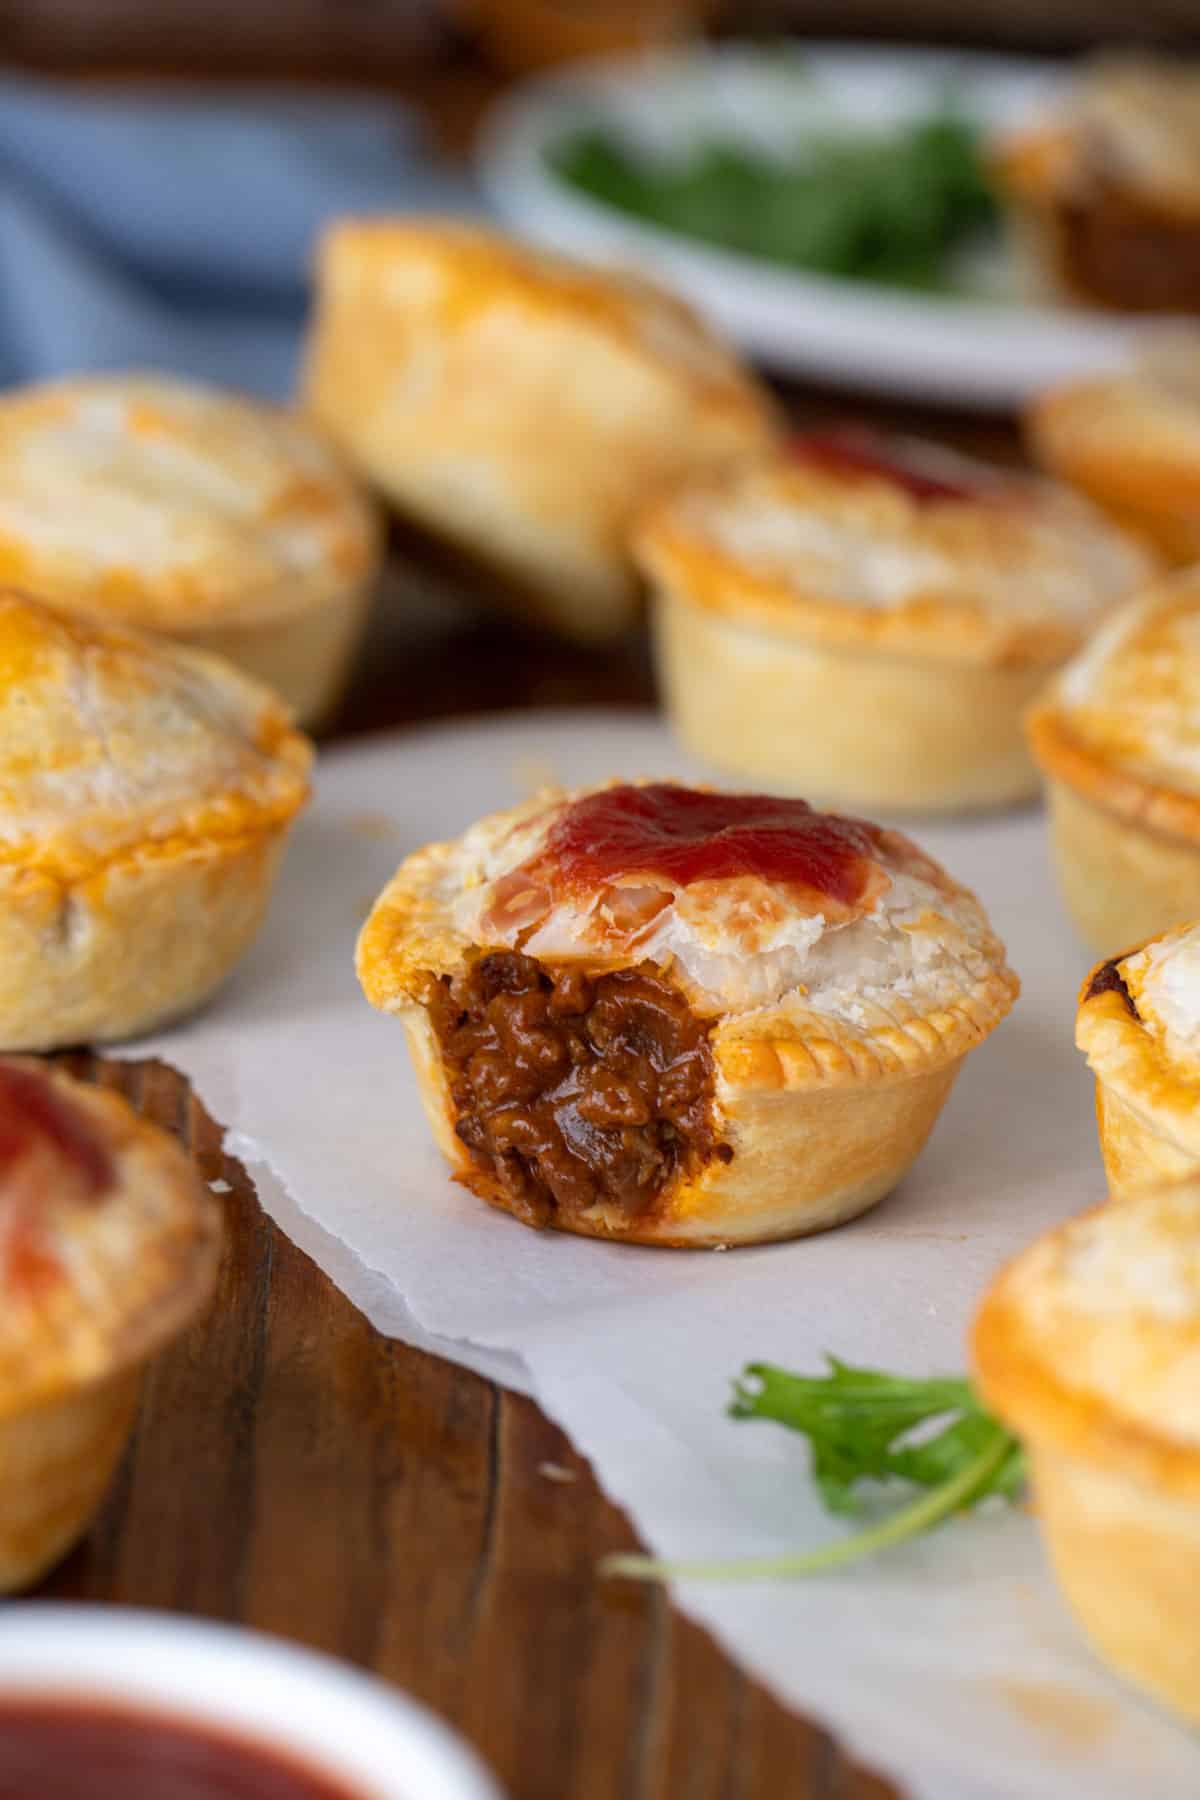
[
  {"x": 1108, "y": 979},
  {"x": 574, "y": 1091}
]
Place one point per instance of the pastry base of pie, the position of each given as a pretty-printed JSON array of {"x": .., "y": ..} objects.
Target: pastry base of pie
[
  {"x": 1136, "y": 1154},
  {"x": 1122, "y": 883},
  {"x": 1128, "y": 1561},
  {"x": 804, "y": 1157},
  {"x": 56, "y": 1462},
  {"x": 148, "y": 938},
  {"x": 306, "y": 658},
  {"x": 858, "y": 730}
]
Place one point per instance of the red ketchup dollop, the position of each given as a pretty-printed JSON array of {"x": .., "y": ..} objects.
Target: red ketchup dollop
[
  {"x": 66, "y": 1751},
  {"x": 686, "y": 835},
  {"x": 33, "y": 1112},
  {"x": 865, "y": 455},
  {"x": 35, "y": 1118}
]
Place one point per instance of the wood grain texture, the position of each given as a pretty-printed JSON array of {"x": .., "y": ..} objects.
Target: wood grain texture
[{"x": 295, "y": 1471}]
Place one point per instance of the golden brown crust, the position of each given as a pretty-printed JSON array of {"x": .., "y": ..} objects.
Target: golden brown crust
[
  {"x": 177, "y": 507},
  {"x": 138, "y": 1261},
  {"x": 1135, "y": 797},
  {"x": 944, "y": 737},
  {"x": 1026, "y": 1350},
  {"x": 823, "y": 1111},
  {"x": 1132, "y": 443},
  {"x": 948, "y": 615},
  {"x": 519, "y": 406},
  {"x": 145, "y": 795}
]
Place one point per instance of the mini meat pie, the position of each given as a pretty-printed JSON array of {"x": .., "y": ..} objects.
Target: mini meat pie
[
  {"x": 519, "y": 407},
  {"x": 145, "y": 795},
  {"x": 212, "y": 519},
  {"x": 1139, "y": 1025},
  {"x": 1118, "y": 741},
  {"x": 668, "y": 1015},
  {"x": 1107, "y": 193},
  {"x": 1087, "y": 1346},
  {"x": 1132, "y": 442},
  {"x": 108, "y": 1247},
  {"x": 867, "y": 620}
]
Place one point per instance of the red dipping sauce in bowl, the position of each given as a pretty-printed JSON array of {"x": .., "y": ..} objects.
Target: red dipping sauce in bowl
[
  {"x": 62, "y": 1750},
  {"x": 109, "y": 1703}
]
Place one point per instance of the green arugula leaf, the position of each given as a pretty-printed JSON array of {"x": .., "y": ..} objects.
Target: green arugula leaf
[{"x": 860, "y": 1425}]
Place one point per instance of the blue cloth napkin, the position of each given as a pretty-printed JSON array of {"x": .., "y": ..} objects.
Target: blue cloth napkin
[{"x": 174, "y": 229}]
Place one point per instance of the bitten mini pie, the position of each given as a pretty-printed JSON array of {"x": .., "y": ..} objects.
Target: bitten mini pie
[
  {"x": 1107, "y": 192},
  {"x": 145, "y": 795},
  {"x": 668, "y": 1015},
  {"x": 518, "y": 406},
  {"x": 1086, "y": 1346},
  {"x": 867, "y": 620},
  {"x": 1132, "y": 442},
  {"x": 212, "y": 519},
  {"x": 1139, "y": 1025},
  {"x": 109, "y": 1243},
  {"x": 1118, "y": 741}
]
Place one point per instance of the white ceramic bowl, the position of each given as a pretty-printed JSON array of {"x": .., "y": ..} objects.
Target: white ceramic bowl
[
  {"x": 962, "y": 352},
  {"x": 349, "y": 1727}
]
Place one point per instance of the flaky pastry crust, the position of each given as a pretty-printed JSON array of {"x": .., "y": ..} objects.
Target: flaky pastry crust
[
  {"x": 1086, "y": 1345},
  {"x": 214, "y": 519},
  {"x": 129, "y": 1268},
  {"x": 823, "y": 1113},
  {"x": 520, "y": 406},
  {"x": 1113, "y": 738},
  {"x": 145, "y": 795}
]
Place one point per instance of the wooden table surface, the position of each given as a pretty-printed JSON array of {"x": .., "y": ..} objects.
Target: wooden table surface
[{"x": 295, "y": 1471}]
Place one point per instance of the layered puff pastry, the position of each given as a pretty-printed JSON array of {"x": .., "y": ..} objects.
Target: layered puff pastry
[
  {"x": 109, "y": 1244},
  {"x": 1086, "y": 1346},
  {"x": 672, "y": 1016},
  {"x": 215, "y": 520},
  {"x": 1106, "y": 193},
  {"x": 1139, "y": 1026},
  {"x": 1131, "y": 441},
  {"x": 866, "y": 619},
  {"x": 518, "y": 406},
  {"x": 1117, "y": 737},
  {"x": 145, "y": 794}
]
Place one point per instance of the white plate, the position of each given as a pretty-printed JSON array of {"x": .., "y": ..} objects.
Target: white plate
[{"x": 969, "y": 352}]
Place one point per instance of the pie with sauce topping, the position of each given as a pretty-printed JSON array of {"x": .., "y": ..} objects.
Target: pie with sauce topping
[
  {"x": 1131, "y": 441},
  {"x": 1118, "y": 741},
  {"x": 518, "y": 406},
  {"x": 669, "y": 1015},
  {"x": 1139, "y": 1026},
  {"x": 108, "y": 1246},
  {"x": 146, "y": 792},
  {"x": 212, "y": 518},
  {"x": 866, "y": 619},
  {"x": 1086, "y": 1346}
]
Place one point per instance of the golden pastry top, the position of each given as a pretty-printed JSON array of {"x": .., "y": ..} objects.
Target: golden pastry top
[
  {"x": 457, "y": 276},
  {"x": 1139, "y": 1026},
  {"x": 109, "y": 1239},
  {"x": 1089, "y": 1341},
  {"x": 808, "y": 986},
  {"x": 984, "y": 565},
  {"x": 162, "y": 503},
  {"x": 115, "y": 745},
  {"x": 1130, "y": 122},
  {"x": 1122, "y": 722},
  {"x": 1131, "y": 437}
]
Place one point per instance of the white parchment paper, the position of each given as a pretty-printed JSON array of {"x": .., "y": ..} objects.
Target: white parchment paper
[{"x": 951, "y": 1664}]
